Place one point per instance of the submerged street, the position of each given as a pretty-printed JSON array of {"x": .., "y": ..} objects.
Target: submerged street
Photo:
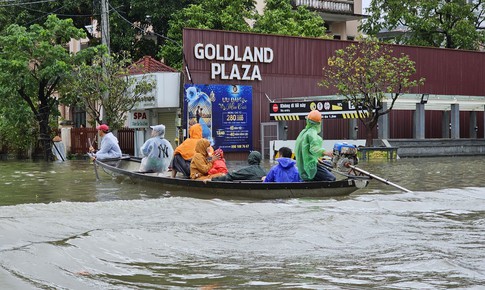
[{"x": 63, "y": 229}]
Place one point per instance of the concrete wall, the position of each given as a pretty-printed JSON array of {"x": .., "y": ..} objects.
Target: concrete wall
[{"x": 438, "y": 147}]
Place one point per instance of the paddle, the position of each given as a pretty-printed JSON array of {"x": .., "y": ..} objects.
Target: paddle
[
  {"x": 377, "y": 178},
  {"x": 94, "y": 160}
]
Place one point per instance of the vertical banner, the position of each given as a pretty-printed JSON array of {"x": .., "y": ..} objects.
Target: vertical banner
[{"x": 224, "y": 112}]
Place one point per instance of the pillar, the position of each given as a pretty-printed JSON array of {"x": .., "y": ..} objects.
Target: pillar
[
  {"x": 383, "y": 124},
  {"x": 445, "y": 125},
  {"x": 419, "y": 122},
  {"x": 353, "y": 129},
  {"x": 283, "y": 130},
  {"x": 473, "y": 128},
  {"x": 455, "y": 121}
]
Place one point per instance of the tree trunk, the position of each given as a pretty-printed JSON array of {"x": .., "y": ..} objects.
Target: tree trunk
[
  {"x": 44, "y": 132},
  {"x": 369, "y": 137}
]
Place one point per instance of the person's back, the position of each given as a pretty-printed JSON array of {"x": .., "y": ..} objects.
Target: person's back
[
  {"x": 285, "y": 170},
  {"x": 253, "y": 171},
  {"x": 183, "y": 154},
  {"x": 157, "y": 152}
]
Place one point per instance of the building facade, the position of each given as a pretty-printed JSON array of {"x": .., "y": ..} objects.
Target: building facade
[{"x": 290, "y": 68}]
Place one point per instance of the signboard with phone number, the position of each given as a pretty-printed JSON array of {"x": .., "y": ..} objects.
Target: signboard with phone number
[{"x": 332, "y": 109}]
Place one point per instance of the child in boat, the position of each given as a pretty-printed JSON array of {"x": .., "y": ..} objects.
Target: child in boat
[
  {"x": 285, "y": 170},
  {"x": 219, "y": 163},
  {"x": 200, "y": 164}
]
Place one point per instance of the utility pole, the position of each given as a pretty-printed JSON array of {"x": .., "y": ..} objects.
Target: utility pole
[
  {"x": 105, "y": 24},
  {"x": 106, "y": 41}
]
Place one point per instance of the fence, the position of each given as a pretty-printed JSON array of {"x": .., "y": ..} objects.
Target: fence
[{"x": 80, "y": 140}]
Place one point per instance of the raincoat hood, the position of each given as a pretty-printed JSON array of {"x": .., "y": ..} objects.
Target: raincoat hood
[
  {"x": 254, "y": 158},
  {"x": 201, "y": 147},
  {"x": 159, "y": 130},
  {"x": 195, "y": 131},
  {"x": 316, "y": 125},
  {"x": 286, "y": 162}
]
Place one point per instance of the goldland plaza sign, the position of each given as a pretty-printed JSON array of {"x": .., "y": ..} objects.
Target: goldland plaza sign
[{"x": 246, "y": 60}]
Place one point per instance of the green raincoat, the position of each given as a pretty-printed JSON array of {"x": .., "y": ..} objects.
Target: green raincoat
[{"x": 308, "y": 148}]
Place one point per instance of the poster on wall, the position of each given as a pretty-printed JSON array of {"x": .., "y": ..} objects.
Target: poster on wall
[{"x": 224, "y": 112}]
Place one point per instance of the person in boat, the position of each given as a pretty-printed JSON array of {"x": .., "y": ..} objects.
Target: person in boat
[
  {"x": 309, "y": 149},
  {"x": 218, "y": 163},
  {"x": 253, "y": 171},
  {"x": 183, "y": 154},
  {"x": 285, "y": 170},
  {"x": 200, "y": 164},
  {"x": 109, "y": 144},
  {"x": 157, "y": 151}
]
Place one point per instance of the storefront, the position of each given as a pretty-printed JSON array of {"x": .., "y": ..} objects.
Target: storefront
[{"x": 287, "y": 70}]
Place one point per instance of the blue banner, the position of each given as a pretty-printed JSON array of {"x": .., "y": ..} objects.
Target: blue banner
[{"x": 224, "y": 112}]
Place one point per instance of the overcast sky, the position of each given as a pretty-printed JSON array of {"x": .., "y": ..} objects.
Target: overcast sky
[{"x": 365, "y": 4}]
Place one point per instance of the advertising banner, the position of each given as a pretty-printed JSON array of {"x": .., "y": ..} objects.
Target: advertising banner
[
  {"x": 331, "y": 109},
  {"x": 224, "y": 112}
]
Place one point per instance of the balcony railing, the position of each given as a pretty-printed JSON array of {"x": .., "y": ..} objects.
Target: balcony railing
[{"x": 341, "y": 6}]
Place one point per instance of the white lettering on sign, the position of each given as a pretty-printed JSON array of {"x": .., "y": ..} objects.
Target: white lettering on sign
[
  {"x": 221, "y": 54},
  {"x": 138, "y": 119}
]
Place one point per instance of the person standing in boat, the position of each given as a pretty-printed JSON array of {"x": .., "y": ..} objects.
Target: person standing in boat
[
  {"x": 183, "y": 154},
  {"x": 109, "y": 144},
  {"x": 157, "y": 152},
  {"x": 253, "y": 171},
  {"x": 285, "y": 170},
  {"x": 309, "y": 148}
]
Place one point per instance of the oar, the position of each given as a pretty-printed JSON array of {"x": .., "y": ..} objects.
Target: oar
[
  {"x": 94, "y": 161},
  {"x": 378, "y": 178}
]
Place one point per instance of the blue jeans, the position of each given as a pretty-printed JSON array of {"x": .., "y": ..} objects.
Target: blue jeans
[{"x": 323, "y": 174}]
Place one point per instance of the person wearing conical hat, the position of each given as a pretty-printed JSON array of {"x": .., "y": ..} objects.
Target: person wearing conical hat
[{"x": 309, "y": 149}]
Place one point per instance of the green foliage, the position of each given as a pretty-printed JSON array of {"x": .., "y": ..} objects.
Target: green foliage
[
  {"x": 367, "y": 73},
  {"x": 280, "y": 18},
  {"x": 33, "y": 62},
  {"x": 17, "y": 129},
  {"x": 235, "y": 15},
  {"x": 437, "y": 23},
  {"x": 105, "y": 83},
  {"x": 209, "y": 14}
]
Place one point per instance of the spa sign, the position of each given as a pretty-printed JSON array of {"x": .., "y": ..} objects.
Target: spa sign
[{"x": 244, "y": 64}]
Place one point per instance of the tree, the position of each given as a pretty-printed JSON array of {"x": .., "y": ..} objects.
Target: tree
[
  {"x": 437, "y": 23},
  {"x": 17, "y": 125},
  {"x": 136, "y": 26},
  {"x": 107, "y": 74},
  {"x": 208, "y": 14},
  {"x": 33, "y": 63},
  {"x": 366, "y": 74},
  {"x": 280, "y": 18}
]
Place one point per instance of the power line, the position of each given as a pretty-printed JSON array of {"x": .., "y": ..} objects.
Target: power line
[
  {"x": 24, "y": 3},
  {"x": 135, "y": 26}
]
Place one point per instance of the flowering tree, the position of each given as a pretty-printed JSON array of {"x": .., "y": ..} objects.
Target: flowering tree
[{"x": 366, "y": 74}]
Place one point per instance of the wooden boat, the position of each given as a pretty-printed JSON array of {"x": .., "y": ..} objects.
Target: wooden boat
[{"x": 128, "y": 167}]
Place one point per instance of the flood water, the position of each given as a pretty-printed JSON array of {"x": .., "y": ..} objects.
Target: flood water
[{"x": 62, "y": 229}]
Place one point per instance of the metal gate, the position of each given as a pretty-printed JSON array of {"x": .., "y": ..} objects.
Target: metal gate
[
  {"x": 168, "y": 119},
  {"x": 269, "y": 132}
]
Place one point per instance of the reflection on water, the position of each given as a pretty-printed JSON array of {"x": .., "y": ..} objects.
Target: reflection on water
[{"x": 55, "y": 235}]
